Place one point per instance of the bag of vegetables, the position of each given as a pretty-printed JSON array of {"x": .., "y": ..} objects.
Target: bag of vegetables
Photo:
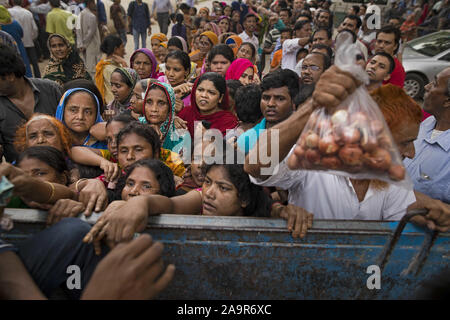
[{"x": 353, "y": 140}]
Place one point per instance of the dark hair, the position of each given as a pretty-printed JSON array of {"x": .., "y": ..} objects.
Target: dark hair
[
  {"x": 232, "y": 86},
  {"x": 11, "y": 62},
  {"x": 84, "y": 171},
  {"x": 364, "y": 6},
  {"x": 328, "y": 31},
  {"x": 306, "y": 16},
  {"x": 288, "y": 11},
  {"x": 325, "y": 59},
  {"x": 306, "y": 91},
  {"x": 195, "y": 10},
  {"x": 184, "y": 6},
  {"x": 301, "y": 50},
  {"x": 299, "y": 25},
  {"x": 198, "y": 21},
  {"x": 389, "y": 29},
  {"x": 49, "y": 155},
  {"x": 124, "y": 118},
  {"x": 162, "y": 173},
  {"x": 248, "y": 103},
  {"x": 110, "y": 43},
  {"x": 389, "y": 57},
  {"x": 55, "y": 3},
  {"x": 181, "y": 56},
  {"x": 356, "y": 18},
  {"x": 249, "y": 15},
  {"x": 175, "y": 42},
  {"x": 124, "y": 77},
  {"x": 323, "y": 46},
  {"x": 251, "y": 46},
  {"x": 286, "y": 30},
  {"x": 144, "y": 131},
  {"x": 218, "y": 81},
  {"x": 221, "y": 49},
  {"x": 281, "y": 78},
  {"x": 17, "y": 2},
  {"x": 86, "y": 84},
  {"x": 356, "y": 9},
  {"x": 258, "y": 202}
]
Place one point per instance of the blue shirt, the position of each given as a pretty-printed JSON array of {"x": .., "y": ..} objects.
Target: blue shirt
[
  {"x": 248, "y": 139},
  {"x": 101, "y": 12},
  {"x": 430, "y": 168},
  {"x": 140, "y": 16}
]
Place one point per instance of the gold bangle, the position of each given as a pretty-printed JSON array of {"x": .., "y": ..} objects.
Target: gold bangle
[
  {"x": 76, "y": 184},
  {"x": 52, "y": 192}
]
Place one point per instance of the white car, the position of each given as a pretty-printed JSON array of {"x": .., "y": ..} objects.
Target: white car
[{"x": 423, "y": 59}]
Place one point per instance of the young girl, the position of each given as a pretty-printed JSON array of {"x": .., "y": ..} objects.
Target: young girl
[{"x": 220, "y": 58}]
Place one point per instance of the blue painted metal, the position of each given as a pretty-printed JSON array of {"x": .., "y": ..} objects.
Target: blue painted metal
[{"x": 256, "y": 258}]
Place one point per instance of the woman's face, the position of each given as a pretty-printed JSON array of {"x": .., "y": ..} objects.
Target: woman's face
[
  {"x": 119, "y": 89},
  {"x": 58, "y": 48},
  {"x": 197, "y": 175},
  {"x": 120, "y": 51},
  {"x": 141, "y": 181},
  {"x": 38, "y": 169},
  {"x": 224, "y": 25},
  {"x": 220, "y": 197},
  {"x": 245, "y": 52},
  {"x": 42, "y": 133},
  {"x": 207, "y": 97},
  {"x": 156, "y": 107},
  {"x": 136, "y": 99},
  {"x": 227, "y": 11},
  {"x": 175, "y": 72},
  {"x": 204, "y": 44},
  {"x": 208, "y": 27},
  {"x": 155, "y": 45},
  {"x": 203, "y": 14},
  {"x": 236, "y": 16},
  {"x": 112, "y": 130},
  {"x": 247, "y": 76},
  {"x": 220, "y": 64},
  {"x": 143, "y": 65},
  {"x": 80, "y": 112},
  {"x": 133, "y": 148}
]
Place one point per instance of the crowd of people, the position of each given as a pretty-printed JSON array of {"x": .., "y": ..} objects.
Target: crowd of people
[{"x": 99, "y": 133}]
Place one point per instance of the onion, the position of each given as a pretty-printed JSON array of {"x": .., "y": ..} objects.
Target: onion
[
  {"x": 323, "y": 125},
  {"x": 376, "y": 126},
  {"x": 327, "y": 145},
  {"x": 313, "y": 156},
  {"x": 385, "y": 142},
  {"x": 378, "y": 159},
  {"x": 312, "y": 140},
  {"x": 339, "y": 118},
  {"x": 359, "y": 119},
  {"x": 299, "y": 151},
  {"x": 350, "y": 135},
  {"x": 351, "y": 155},
  {"x": 368, "y": 141},
  {"x": 397, "y": 172},
  {"x": 332, "y": 162}
]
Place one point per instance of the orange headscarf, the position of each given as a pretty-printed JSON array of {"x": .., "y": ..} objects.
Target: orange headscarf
[
  {"x": 211, "y": 36},
  {"x": 234, "y": 42}
]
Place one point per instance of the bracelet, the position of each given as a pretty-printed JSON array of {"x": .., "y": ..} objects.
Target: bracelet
[
  {"x": 76, "y": 184},
  {"x": 52, "y": 192}
]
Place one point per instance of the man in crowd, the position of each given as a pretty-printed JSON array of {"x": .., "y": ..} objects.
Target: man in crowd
[
  {"x": 277, "y": 104},
  {"x": 162, "y": 9},
  {"x": 20, "y": 97},
  {"x": 57, "y": 21},
  {"x": 379, "y": 69},
  {"x": 322, "y": 36},
  {"x": 353, "y": 23},
  {"x": 277, "y": 56},
  {"x": 302, "y": 35},
  {"x": 248, "y": 35},
  {"x": 139, "y": 20},
  {"x": 118, "y": 16},
  {"x": 323, "y": 20},
  {"x": 387, "y": 40},
  {"x": 30, "y": 33},
  {"x": 313, "y": 66}
]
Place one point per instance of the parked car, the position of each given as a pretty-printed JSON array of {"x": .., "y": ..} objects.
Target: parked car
[{"x": 423, "y": 59}]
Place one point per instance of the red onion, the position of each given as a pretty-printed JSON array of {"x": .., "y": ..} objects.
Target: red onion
[
  {"x": 351, "y": 155},
  {"x": 332, "y": 162},
  {"x": 397, "y": 172},
  {"x": 327, "y": 145},
  {"x": 378, "y": 159}
]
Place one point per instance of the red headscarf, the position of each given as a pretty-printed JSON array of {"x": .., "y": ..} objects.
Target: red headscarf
[
  {"x": 221, "y": 120},
  {"x": 237, "y": 68}
]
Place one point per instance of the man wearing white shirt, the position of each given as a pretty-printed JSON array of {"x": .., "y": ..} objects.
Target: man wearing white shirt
[
  {"x": 248, "y": 35},
  {"x": 30, "y": 33},
  {"x": 302, "y": 34}
]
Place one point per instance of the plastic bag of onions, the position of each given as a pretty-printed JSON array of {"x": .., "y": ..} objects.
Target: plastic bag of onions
[{"x": 353, "y": 140}]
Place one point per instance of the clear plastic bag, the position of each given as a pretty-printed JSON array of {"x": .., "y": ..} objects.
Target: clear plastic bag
[{"x": 354, "y": 140}]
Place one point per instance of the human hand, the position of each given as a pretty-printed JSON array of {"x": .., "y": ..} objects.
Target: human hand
[
  {"x": 64, "y": 208},
  {"x": 110, "y": 169},
  {"x": 130, "y": 271},
  {"x": 93, "y": 195},
  {"x": 298, "y": 219},
  {"x": 17, "y": 177},
  {"x": 438, "y": 216},
  {"x": 183, "y": 89},
  {"x": 303, "y": 41},
  {"x": 179, "y": 123}
]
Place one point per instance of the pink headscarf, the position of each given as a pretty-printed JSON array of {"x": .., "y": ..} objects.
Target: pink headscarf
[
  {"x": 237, "y": 68},
  {"x": 215, "y": 28}
]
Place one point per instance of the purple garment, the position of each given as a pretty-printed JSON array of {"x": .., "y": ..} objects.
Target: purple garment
[
  {"x": 180, "y": 31},
  {"x": 152, "y": 58}
]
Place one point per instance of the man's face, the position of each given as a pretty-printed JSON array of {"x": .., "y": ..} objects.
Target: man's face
[
  {"x": 348, "y": 24},
  {"x": 6, "y": 87},
  {"x": 394, "y": 22},
  {"x": 312, "y": 68},
  {"x": 285, "y": 36},
  {"x": 385, "y": 43},
  {"x": 250, "y": 24},
  {"x": 298, "y": 4},
  {"x": 321, "y": 37},
  {"x": 378, "y": 69},
  {"x": 304, "y": 32},
  {"x": 323, "y": 20},
  {"x": 435, "y": 97},
  {"x": 276, "y": 104},
  {"x": 284, "y": 15}
]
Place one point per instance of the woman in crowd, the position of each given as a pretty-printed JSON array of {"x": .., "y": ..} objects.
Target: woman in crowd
[
  {"x": 236, "y": 25},
  {"x": 227, "y": 11},
  {"x": 224, "y": 24},
  {"x": 204, "y": 13},
  {"x": 207, "y": 40},
  {"x": 247, "y": 51},
  {"x": 209, "y": 102},
  {"x": 79, "y": 110},
  {"x": 65, "y": 64},
  {"x": 114, "y": 49},
  {"x": 156, "y": 40},
  {"x": 123, "y": 81},
  {"x": 43, "y": 130},
  {"x": 177, "y": 43},
  {"x": 179, "y": 29},
  {"x": 220, "y": 58},
  {"x": 87, "y": 84},
  {"x": 211, "y": 26},
  {"x": 242, "y": 70},
  {"x": 234, "y": 42},
  {"x": 144, "y": 62}
]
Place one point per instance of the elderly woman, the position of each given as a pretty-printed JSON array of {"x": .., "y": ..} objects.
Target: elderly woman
[
  {"x": 65, "y": 64},
  {"x": 145, "y": 64}
]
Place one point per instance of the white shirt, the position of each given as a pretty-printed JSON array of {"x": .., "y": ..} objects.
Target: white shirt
[
  {"x": 254, "y": 40},
  {"x": 329, "y": 196},
  {"x": 289, "y": 53},
  {"x": 26, "y": 21}
]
